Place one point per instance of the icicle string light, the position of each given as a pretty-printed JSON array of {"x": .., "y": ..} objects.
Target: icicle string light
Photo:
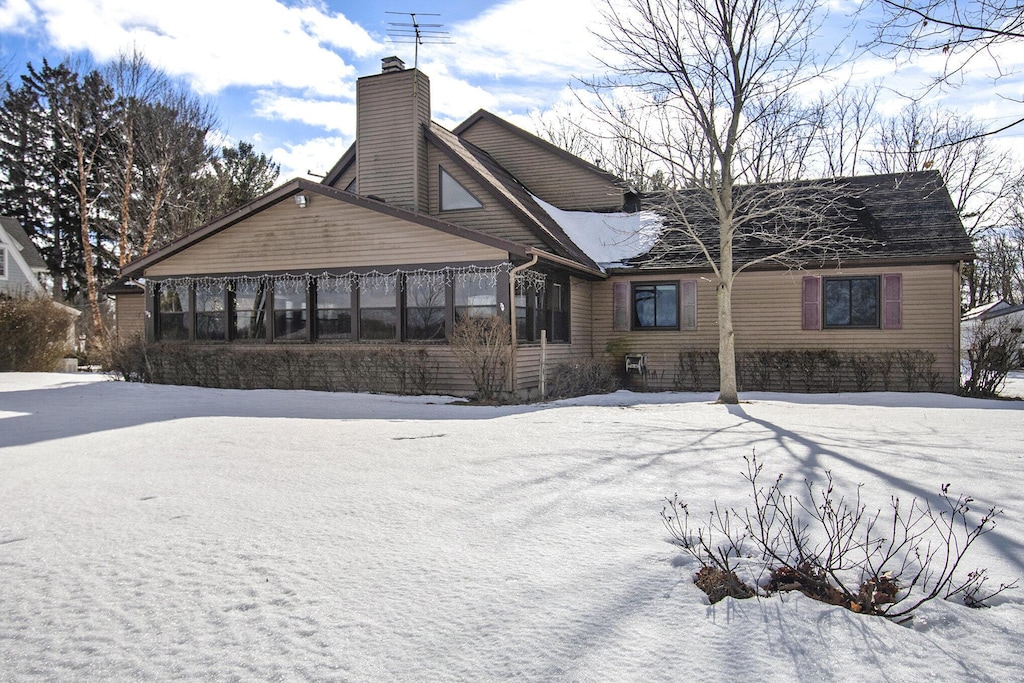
[{"x": 375, "y": 281}]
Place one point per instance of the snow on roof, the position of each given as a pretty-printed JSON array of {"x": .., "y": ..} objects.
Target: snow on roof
[{"x": 609, "y": 239}]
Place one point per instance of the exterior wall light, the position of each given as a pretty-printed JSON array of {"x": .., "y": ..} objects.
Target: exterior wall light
[{"x": 301, "y": 200}]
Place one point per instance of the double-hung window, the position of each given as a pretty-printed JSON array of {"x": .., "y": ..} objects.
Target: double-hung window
[
  {"x": 851, "y": 301},
  {"x": 656, "y": 306}
]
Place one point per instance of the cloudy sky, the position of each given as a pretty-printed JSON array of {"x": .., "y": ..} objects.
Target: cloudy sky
[{"x": 281, "y": 73}]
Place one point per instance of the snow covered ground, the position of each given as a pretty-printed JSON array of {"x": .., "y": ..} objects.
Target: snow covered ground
[{"x": 160, "y": 533}]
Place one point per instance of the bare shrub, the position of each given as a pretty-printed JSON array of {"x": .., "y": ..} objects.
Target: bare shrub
[
  {"x": 864, "y": 368},
  {"x": 696, "y": 370},
  {"x": 806, "y": 363},
  {"x": 580, "y": 378},
  {"x": 991, "y": 354},
  {"x": 483, "y": 346},
  {"x": 833, "y": 549},
  {"x": 33, "y": 333}
]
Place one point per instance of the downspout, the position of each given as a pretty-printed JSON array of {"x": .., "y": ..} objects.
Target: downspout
[{"x": 512, "y": 317}]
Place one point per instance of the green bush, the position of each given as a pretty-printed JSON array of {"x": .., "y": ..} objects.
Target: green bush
[{"x": 33, "y": 334}]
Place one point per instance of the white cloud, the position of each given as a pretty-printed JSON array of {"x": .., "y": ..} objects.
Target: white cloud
[
  {"x": 317, "y": 155},
  {"x": 525, "y": 39},
  {"x": 15, "y": 15},
  {"x": 327, "y": 114},
  {"x": 216, "y": 44}
]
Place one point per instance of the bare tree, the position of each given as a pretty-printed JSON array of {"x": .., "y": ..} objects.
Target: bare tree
[
  {"x": 962, "y": 31},
  {"x": 713, "y": 77},
  {"x": 847, "y": 117},
  {"x": 982, "y": 179},
  {"x": 84, "y": 122}
]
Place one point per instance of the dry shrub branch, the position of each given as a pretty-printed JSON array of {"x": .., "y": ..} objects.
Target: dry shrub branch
[{"x": 831, "y": 547}]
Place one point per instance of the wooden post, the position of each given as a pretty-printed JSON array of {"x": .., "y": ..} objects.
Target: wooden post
[{"x": 543, "y": 363}]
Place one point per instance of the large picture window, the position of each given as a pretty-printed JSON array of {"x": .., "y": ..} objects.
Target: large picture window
[
  {"x": 250, "y": 310},
  {"x": 476, "y": 297},
  {"x": 211, "y": 313},
  {"x": 290, "y": 320},
  {"x": 174, "y": 318},
  {"x": 656, "y": 306},
  {"x": 425, "y": 298},
  {"x": 851, "y": 302},
  {"x": 378, "y": 308},
  {"x": 333, "y": 309}
]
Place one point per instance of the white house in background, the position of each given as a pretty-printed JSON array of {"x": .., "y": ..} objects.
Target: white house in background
[
  {"x": 21, "y": 264},
  {"x": 994, "y": 313}
]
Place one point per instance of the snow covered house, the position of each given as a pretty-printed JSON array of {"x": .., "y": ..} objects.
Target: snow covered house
[{"x": 417, "y": 225}]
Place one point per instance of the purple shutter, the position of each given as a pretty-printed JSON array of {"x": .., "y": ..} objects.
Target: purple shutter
[
  {"x": 812, "y": 303},
  {"x": 620, "y": 306},
  {"x": 892, "y": 294},
  {"x": 688, "y": 321}
]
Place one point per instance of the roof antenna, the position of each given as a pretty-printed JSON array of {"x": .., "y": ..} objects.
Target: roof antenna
[{"x": 416, "y": 33}]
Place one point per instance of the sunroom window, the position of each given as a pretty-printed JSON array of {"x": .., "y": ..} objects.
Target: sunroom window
[
  {"x": 211, "y": 316},
  {"x": 250, "y": 310},
  {"x": 333, "y": 309},
  {"x": 290, "y": 321},
  {"x": 424, "y": 307},
  {"x": 378, "y": 308},
  {"x": 476, "y": 297},
  {"x": 173, "y": 312}
]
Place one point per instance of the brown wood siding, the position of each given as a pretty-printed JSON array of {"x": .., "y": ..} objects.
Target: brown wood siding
[
  {"x": 547, "y": 175},
  {"x": 130, "y": 313},
  {"x": 767, "y": 316},
  {"x": 494, "y": 218},
  {"x": 326, "y": 234},
  {"x": 391, "y": 148},
  {"x": 581, "y": 348}
]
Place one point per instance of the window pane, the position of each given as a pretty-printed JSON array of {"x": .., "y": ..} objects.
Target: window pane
[
  {"x": 173, "y": 313},
  {"x": 656, "y": 306},
  {"x": 851, "y": 302},
  {"x": 211, "y": 318},
  {"x": 378, "y": 310},
  {"x": 476, "y": 297},
  {"x": 249, "y": 321},
  {"x": 290, "y": 310},
  {"x": 837, "y": 302},
  {"x": 333, "y": 309},
  {"x": 668, "y": 306},
  {"x": 864, "y": 302},
  {"x": 455, "y": 196},
  {"x": 424, "y": 307}
]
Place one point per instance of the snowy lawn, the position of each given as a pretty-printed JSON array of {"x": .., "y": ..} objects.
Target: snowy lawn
[{"x": 157, "y": 533}]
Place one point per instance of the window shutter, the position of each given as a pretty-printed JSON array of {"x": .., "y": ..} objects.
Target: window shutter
[
  {"x": 620, "y": 306},
  {"x": 892, "y": 294},
  {"x": 688, "y": 299},
  {"x": 812, "y": 303}
]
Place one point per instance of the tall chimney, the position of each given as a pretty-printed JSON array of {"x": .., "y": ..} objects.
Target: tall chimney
[{"x": 391, "y": 150}]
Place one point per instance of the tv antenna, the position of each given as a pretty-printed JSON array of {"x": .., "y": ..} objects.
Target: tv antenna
[{"x": 417, "y": 33}]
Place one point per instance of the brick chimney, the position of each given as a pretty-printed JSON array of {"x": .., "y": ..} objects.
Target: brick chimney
[{"x": 391, "y": 150}]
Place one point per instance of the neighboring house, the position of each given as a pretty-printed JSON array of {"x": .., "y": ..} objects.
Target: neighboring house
[
  {"x": 997, "y": 313},
  {"x": 416, "y": 225},
  {"x": 20, "y": 262}
]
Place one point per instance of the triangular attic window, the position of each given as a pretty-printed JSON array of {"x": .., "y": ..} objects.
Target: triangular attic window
[
  {"x": 353, "y": 186},
  {"x": 455, "y": 196}
]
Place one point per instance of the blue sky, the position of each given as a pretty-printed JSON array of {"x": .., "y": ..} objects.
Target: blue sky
[{"x": 281, "y": 73}]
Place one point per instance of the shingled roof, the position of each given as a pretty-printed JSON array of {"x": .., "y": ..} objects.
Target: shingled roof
[
  {"x": 28, "y": 250},
  {"x": 874, "y": 219}
]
